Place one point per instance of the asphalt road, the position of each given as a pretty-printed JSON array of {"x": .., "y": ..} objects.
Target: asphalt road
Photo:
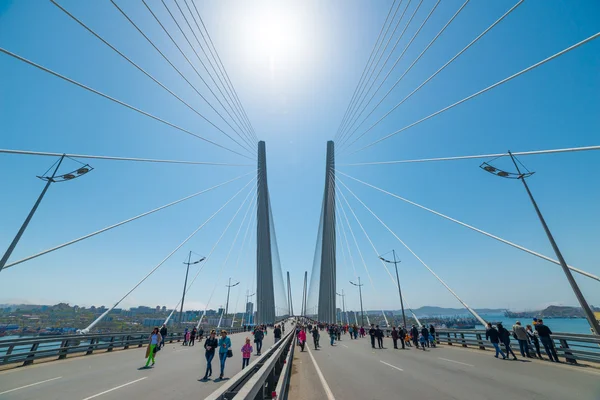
[
  {"x": 118, "y": 375},
  {"x": 353, "y": 370}
]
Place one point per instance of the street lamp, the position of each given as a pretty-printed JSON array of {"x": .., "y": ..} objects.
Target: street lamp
[
  {"x": 362, "y": 313},
  {"x": 343, "y": 296},
  {"x": 228, "y": 290},
  {"x": 188, "y": 263},
  {"x": 49, "y": 180},
  {"x": 395, "y": 262},
  {"x": 511, "y": 175}
]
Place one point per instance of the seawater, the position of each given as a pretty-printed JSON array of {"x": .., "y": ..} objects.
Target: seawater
[{"x": 563, "y": 325}]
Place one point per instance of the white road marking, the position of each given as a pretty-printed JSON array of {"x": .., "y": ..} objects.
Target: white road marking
[
  {"x": 457, "y": 362},
  {"x": 393, "y": 366},
  {"x": 30, "y": 385},
  {"x": 345, "y": 346},
  {"x": 115, "y": 388},
  {"x": 328, "y": 392}
]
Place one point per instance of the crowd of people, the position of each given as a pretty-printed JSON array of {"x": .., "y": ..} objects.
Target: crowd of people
[
  {"x": 214, "y": 345},
  {"x": 529, "y": 339}
]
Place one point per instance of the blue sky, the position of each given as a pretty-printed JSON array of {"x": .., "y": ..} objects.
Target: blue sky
[{"x": 295, "y": 66}]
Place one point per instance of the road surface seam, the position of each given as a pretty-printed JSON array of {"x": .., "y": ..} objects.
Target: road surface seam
[
  {"x": 458, "y": 362},
  {"x": 390, "y": 365},
  {"x": 328, "y": 391},
  {"x": 32, "y": 384},
  {"x": 115, "y": 388}
]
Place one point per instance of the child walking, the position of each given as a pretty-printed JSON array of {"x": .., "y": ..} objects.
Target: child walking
[{"x": 246, "y": 353}]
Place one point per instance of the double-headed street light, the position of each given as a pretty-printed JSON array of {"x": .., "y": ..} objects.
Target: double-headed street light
[
  {"x": 362, "y": 313},
  {"x": 395, "y": 262},
  {"x": 229, "y": 286},
  {"x": 188, "y": 263},
  {"x": 49, "y": 180},
  {"x": 519, "y": 175}
]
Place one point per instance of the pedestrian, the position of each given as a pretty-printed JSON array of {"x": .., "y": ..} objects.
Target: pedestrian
[
  {"x": 395, "y": 334},
  {"x": 338, "y": 331},
  {"x": 200, "y": 334},
  {"x": 155, "y": 339},
  {"x": 246, "y": 353},
  {"x": 258, "y": 339},
  {"x": 422, "y": 340},
  {"x": 193, "y": 336},
  {"x": 521, "y": 335},
  {"x": 356, "y": 331},
  {"x": 224, "y": 350},
  {"x": 432, "y": 330},
  {"x": 185, "y": 337},
  {"x": 544, "y": 333},
  {"x": 210, "y": 345},
  {"x": 332, "y": 335},
  {"x": 302, "y": 338},
  {"x": 414, "y": 333},
  {"x": 362, "y": 331},
  {"x": 351, "y": 332},
  {"x": 425, "y": 333},
  {"x": 494, "y": 337},
  {"x": 533, "y": 338},
  {"x": 315, "y": 335},
  {"x": 277, "y": 333},
  {"x": 163, "y": 335},
  {"x": 379, "y": 336},
  {"x": 431, "y": 340},
  {"x": 505, "y": 338},
  {"x": 407, "y": 340},
  {"x": 372, "y": 332}
]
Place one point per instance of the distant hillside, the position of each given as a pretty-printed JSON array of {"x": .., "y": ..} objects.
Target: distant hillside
[{"x": 442, "y": 311}]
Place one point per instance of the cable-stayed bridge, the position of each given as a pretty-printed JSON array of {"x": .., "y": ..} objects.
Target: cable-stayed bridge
[{"x": 100, "y": 363}]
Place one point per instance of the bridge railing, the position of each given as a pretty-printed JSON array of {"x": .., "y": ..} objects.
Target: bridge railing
[
  {"x": 570, "y": 346},
  {"x": 267, "y": 377},
  {"x": 27, "y": 350}
]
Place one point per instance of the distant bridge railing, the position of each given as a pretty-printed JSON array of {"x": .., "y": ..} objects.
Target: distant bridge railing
[
  {"x": 28, "y": 349},
  {"x": 570, "y": 346}
]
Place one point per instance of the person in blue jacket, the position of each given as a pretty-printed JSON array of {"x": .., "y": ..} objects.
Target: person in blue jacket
[{"x": 224, "y": 346}]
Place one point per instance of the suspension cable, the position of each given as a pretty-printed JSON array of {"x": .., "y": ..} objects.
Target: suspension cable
[
  {"x": 552, "y": 57},
  {"x": 394, "y": 281},
  {"x": 203, "y": 65},
  {"x": 396, "y": 63},
  {"x": 150, "y": 160},
  {"x": 367, "y": 67},
  {"x": 440, "y": 69},
  {"x": 582, "y": 272},
  {"x": 143, "y": 71},
  {"x": 97, "y": 320},
  {"x": 357, "y": 114},
  {"x": 473, "y": 312},
  {"x": 235, "y": 107},
  {"x": 223, "y": 70},
  {"x": 81, "y": 85},
  {"x": 215, "y": 246},
  {"x": 89, "y": 235},
  {"x": 378, "y": 60}
]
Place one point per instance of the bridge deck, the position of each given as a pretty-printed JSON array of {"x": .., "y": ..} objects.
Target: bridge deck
[
  {"x": 176, "y": 375},
  {"x": 353, "y": 370}
]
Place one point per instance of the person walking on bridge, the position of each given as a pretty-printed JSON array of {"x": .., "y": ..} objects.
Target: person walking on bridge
[
  {"x": 302, "y": 338},
  {"x": 246, "y": 353},
  {"x": 210, "y": 345},
  {"x": 155, "y": 339},
  {"x": 315, "y": 335},
  {"x": 425, "y": 333},
  {"x": 379, "y": 336},
  {"x": 521, "y": 335},
  {"x": 224, "y": 350},
  {"x": 362, "y": 331},
  {"x": 414, "y": 332},
  {"x": 258, "y": 339},
  {"x": 372, "y": 332},
  {"x": 395, "y": 338},
  {"x": 277, "y": 333},
  {"x": 163, "y": 335},
  {"x": 544, "y": 332},
  {"x": 493, "y": 336},
  {"x": 193, "y": 336},
  {"x": 505, "y": 338}
]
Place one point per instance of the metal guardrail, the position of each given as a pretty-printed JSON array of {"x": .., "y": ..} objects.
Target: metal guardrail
[
  {"x": 27, "y": 350},
  {"x": 571, "y": 346},
  {"x": 262, "y": 377}
]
